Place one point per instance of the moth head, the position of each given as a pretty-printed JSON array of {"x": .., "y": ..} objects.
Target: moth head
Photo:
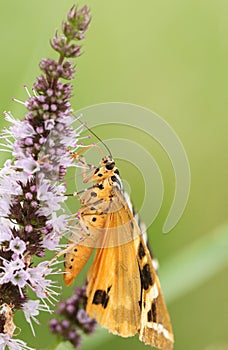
[{"x": 107, "y": 163}]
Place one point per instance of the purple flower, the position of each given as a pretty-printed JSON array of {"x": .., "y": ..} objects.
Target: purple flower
[
  {"x": 49, "y": 124},
  {"x": 74, "y": 318},
  {"x": 31, "y": 188},
  {"x": 32, "y": 308},
  {"x": 10, "y": 267},
  {"x": 19, "y": 279},
  {"x": 12, "y": 344},
  {"x": 82, "y": 316},
  {"x": 29, "y": 165},
  {"x": 17, "y": 246},
  {"x": 19, "y": 129},
  {"x": 6, "y": 233}
]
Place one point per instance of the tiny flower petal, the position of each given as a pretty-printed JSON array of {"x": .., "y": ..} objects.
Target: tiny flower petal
[
  {"x": 59, "y": 223},
  {"x": 12, "y": 344},
  {"x": 20, "y": 129},
  {"x": 29, "y": 165},
  {"x": 17, "y": 245},
  {"x": 49, "y": 124},
  {"x": 50, "y": 241},
  {"x": 20, "y": 278},
  {"x": 82, "y": 316},
  {"x": 6, "y": 233}
]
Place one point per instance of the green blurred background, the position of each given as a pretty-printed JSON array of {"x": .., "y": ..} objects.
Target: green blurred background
[{"x": 170, "y": 56}]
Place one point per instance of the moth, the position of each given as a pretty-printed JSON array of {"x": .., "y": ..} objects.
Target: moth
[{"x": 123, "y": 290}]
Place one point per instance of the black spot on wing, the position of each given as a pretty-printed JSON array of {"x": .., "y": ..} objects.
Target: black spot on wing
[
  {"x": 153, "y": 309},
  {"x": 100, "y": 186},
  {"x": 140, "y": 301},
  {"x": 96, "y": 171},
  {"x": 140, "y": 304},
  {"x": 151, "y": 315},
  {"x": 117, "y": 172},
  {"x": 93, "y": 194},
  {"x": 101, "y": 297},
  {"x": 116, "y": 180},
  {"x": 146, "y": 278},
  {"x": 109, "y": 288},
  {"x": 141, "y": 251}
]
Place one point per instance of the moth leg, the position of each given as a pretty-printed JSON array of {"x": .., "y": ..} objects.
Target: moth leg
[
  {"x": 81, "y": 160},
  {"x": 73, "y": 239},
  {"x": 61, "y": 253}
]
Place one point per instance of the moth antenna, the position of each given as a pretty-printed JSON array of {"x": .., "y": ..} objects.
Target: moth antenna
[{"x": 92, "y": 132}]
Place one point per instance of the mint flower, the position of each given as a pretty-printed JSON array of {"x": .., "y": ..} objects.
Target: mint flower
[
  {"x": 12, "y": 344},
  {"x": 74, "y": 318},
  {"x": 32, "y": 188}
]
